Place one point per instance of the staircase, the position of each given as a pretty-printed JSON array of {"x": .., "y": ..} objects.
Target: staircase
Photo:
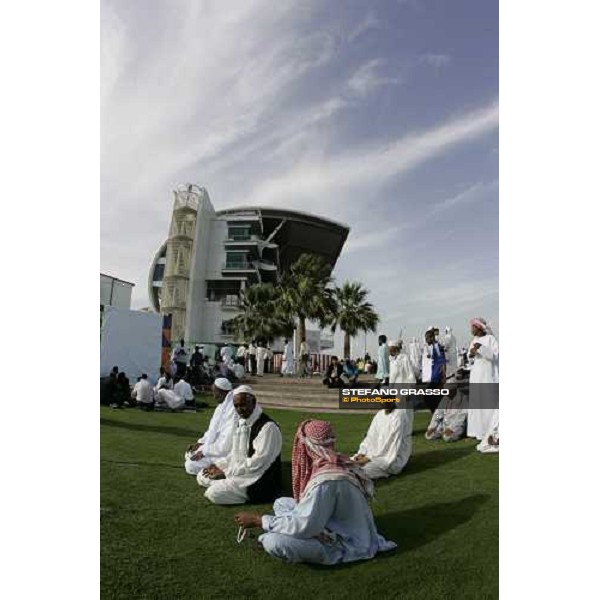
[{"x": 295, "y": 393}]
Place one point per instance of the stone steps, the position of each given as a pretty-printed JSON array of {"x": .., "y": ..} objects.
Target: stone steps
[{"x": 298, "y": 394}]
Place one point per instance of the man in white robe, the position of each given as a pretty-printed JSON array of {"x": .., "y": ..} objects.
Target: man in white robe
[
  {"x": 383, "y": 361},
  {"x": 261, "y": 354},
  {"x": 414, "y": 355},
  {"x": 169, "y": 398},
  {"x": 252, "y": 469},
  {"x": 400, "y": 368},
  {"x": 287, "y": 362},
  {"x": 143, "y": 393},
  {"x": 216, "y": 441},
  {"x": 491, "y": 440},
  {"x": 184, "y": 390},
  {"x": 251, "y": 358},
  {"x": 388, "y": 443},
  {"x": 449, "y": 421},
  {"x": 328, "y": 521},
  {"x": 451, "y": 352},
  {"x": 164, "y": 381},
  {"x": 484, "y": 353}
]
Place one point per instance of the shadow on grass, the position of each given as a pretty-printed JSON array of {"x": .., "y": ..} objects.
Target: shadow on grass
[
  {"x": 140, "y": 463},
  {"x": 417, "y": 527},
  {"x": 430, "y": 460},
  {"x": 192, "y": 434}
]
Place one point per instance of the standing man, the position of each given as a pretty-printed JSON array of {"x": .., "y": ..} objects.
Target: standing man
[
  {"x": 414, "y": 356},
  {"x": 383, "y": 361},
  {"x": 215, "y": 444},
  {"x": 251, "y": 356},
  {"x": 196, "y": 362},
  {"x": 261, "y": 354},
  {"x": 252, "y": 470},
  {"x": 287, "y": 363},
  {"x": 434, "y": 366},
  {"x": 451, "y": 353},
  {"x": 180, "y": 358},
  {"x": 400, "y": 368},
  {"x": 304, "y": 358},
  {"x": 484, "y": 353},
  {"x": 269, "y": 360},
  {"x": 241, "y": 355}
]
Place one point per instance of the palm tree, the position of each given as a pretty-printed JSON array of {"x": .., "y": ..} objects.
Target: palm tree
[
  {"x": 353, "y": 313},
  {"x": 306, "y": 292},
  {"x": 260, "y": 317}
]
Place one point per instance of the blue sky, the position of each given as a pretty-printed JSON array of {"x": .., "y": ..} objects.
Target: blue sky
[{"x": 382, "y": 115}]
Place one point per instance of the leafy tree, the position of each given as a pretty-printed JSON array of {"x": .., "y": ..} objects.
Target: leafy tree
[{"x": 353, "y": 313}]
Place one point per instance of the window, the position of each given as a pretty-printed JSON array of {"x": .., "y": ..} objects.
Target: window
[
  {"x": 236, "y": 260},
  {"x": 239, "y": 233}
]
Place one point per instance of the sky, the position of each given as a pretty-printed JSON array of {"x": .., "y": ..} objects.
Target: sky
[{"x": 382, "y": 115}]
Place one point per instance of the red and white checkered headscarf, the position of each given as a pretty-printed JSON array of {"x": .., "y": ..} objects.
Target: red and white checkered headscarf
[
  {"x": 481, "y": 323},
  {"x": 313, "y": 454}
]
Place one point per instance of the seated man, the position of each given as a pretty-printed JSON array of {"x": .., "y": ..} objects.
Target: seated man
[
  {"x": 184, "y": 390},
  {"x": 216, "y": 441},
  {"x": 328, "y": 521},
  {"x": 449, "y": 421},
  {"x": 252, "y": 470},
  {"x": 108, "y": 389},
  {"x": 491, "y": 440},
  {"x": 143, "y": 394},
  {"x": 388, "y": 443},
  {"x": 166, "y": 396},
  {"x": 164, "y": 381},
  {"x": 350, "y": 372},
  {"x": 333, "y": 375}
]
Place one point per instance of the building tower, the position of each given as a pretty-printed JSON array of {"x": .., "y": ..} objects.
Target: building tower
[{"x": 179, "y": 256}]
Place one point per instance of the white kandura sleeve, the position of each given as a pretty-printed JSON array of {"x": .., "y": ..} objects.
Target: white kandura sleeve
[
  {"x": 309, "y": 516},
  {"x": 490, "y": 352},
  {"x": 221, "y": 446}
]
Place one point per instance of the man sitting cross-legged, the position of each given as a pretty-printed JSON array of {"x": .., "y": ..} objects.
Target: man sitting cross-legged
[
  {"x": 252, "y": 470},
  {"x": 328, "y": 521},
  {"x": 216, "y": 441},
  {"x": 449, "y": 421},
  {"x": 388, "y": 443}
]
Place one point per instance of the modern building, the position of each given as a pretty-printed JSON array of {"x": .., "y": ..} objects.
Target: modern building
[
  {"x": 115, "y": 292},
  {"x": 210, "y": 256}
]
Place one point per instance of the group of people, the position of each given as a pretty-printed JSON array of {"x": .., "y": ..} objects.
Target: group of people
[
  {"x": 468, "y": 410},
  {"x": 328, "y": 520},
  {"x": 341, "y": 373},
  {"x": 171, "y": 393}
]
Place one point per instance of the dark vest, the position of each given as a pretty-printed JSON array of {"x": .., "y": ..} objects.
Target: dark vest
[{"x": 268, "y": 487}]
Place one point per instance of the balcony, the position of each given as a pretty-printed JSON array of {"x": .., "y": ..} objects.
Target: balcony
[
  {"x": 238, "y": 265},
  {"x": 242, "y": 240}
]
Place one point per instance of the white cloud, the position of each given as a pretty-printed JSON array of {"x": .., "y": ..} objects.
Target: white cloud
[
  {"x": 370, "y": 21},
  {"x": 319, "y": 185},
  {"x": 366, "y": 79},
  {"x": 437, "y": 61}
]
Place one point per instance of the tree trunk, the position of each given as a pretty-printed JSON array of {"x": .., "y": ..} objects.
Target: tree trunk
[
  {"x": 300, "y": 333},
  {"x": 346, "y": 345}
]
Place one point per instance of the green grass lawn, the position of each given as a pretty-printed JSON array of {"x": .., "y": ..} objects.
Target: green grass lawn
[{"x": 162, "y": 539}]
